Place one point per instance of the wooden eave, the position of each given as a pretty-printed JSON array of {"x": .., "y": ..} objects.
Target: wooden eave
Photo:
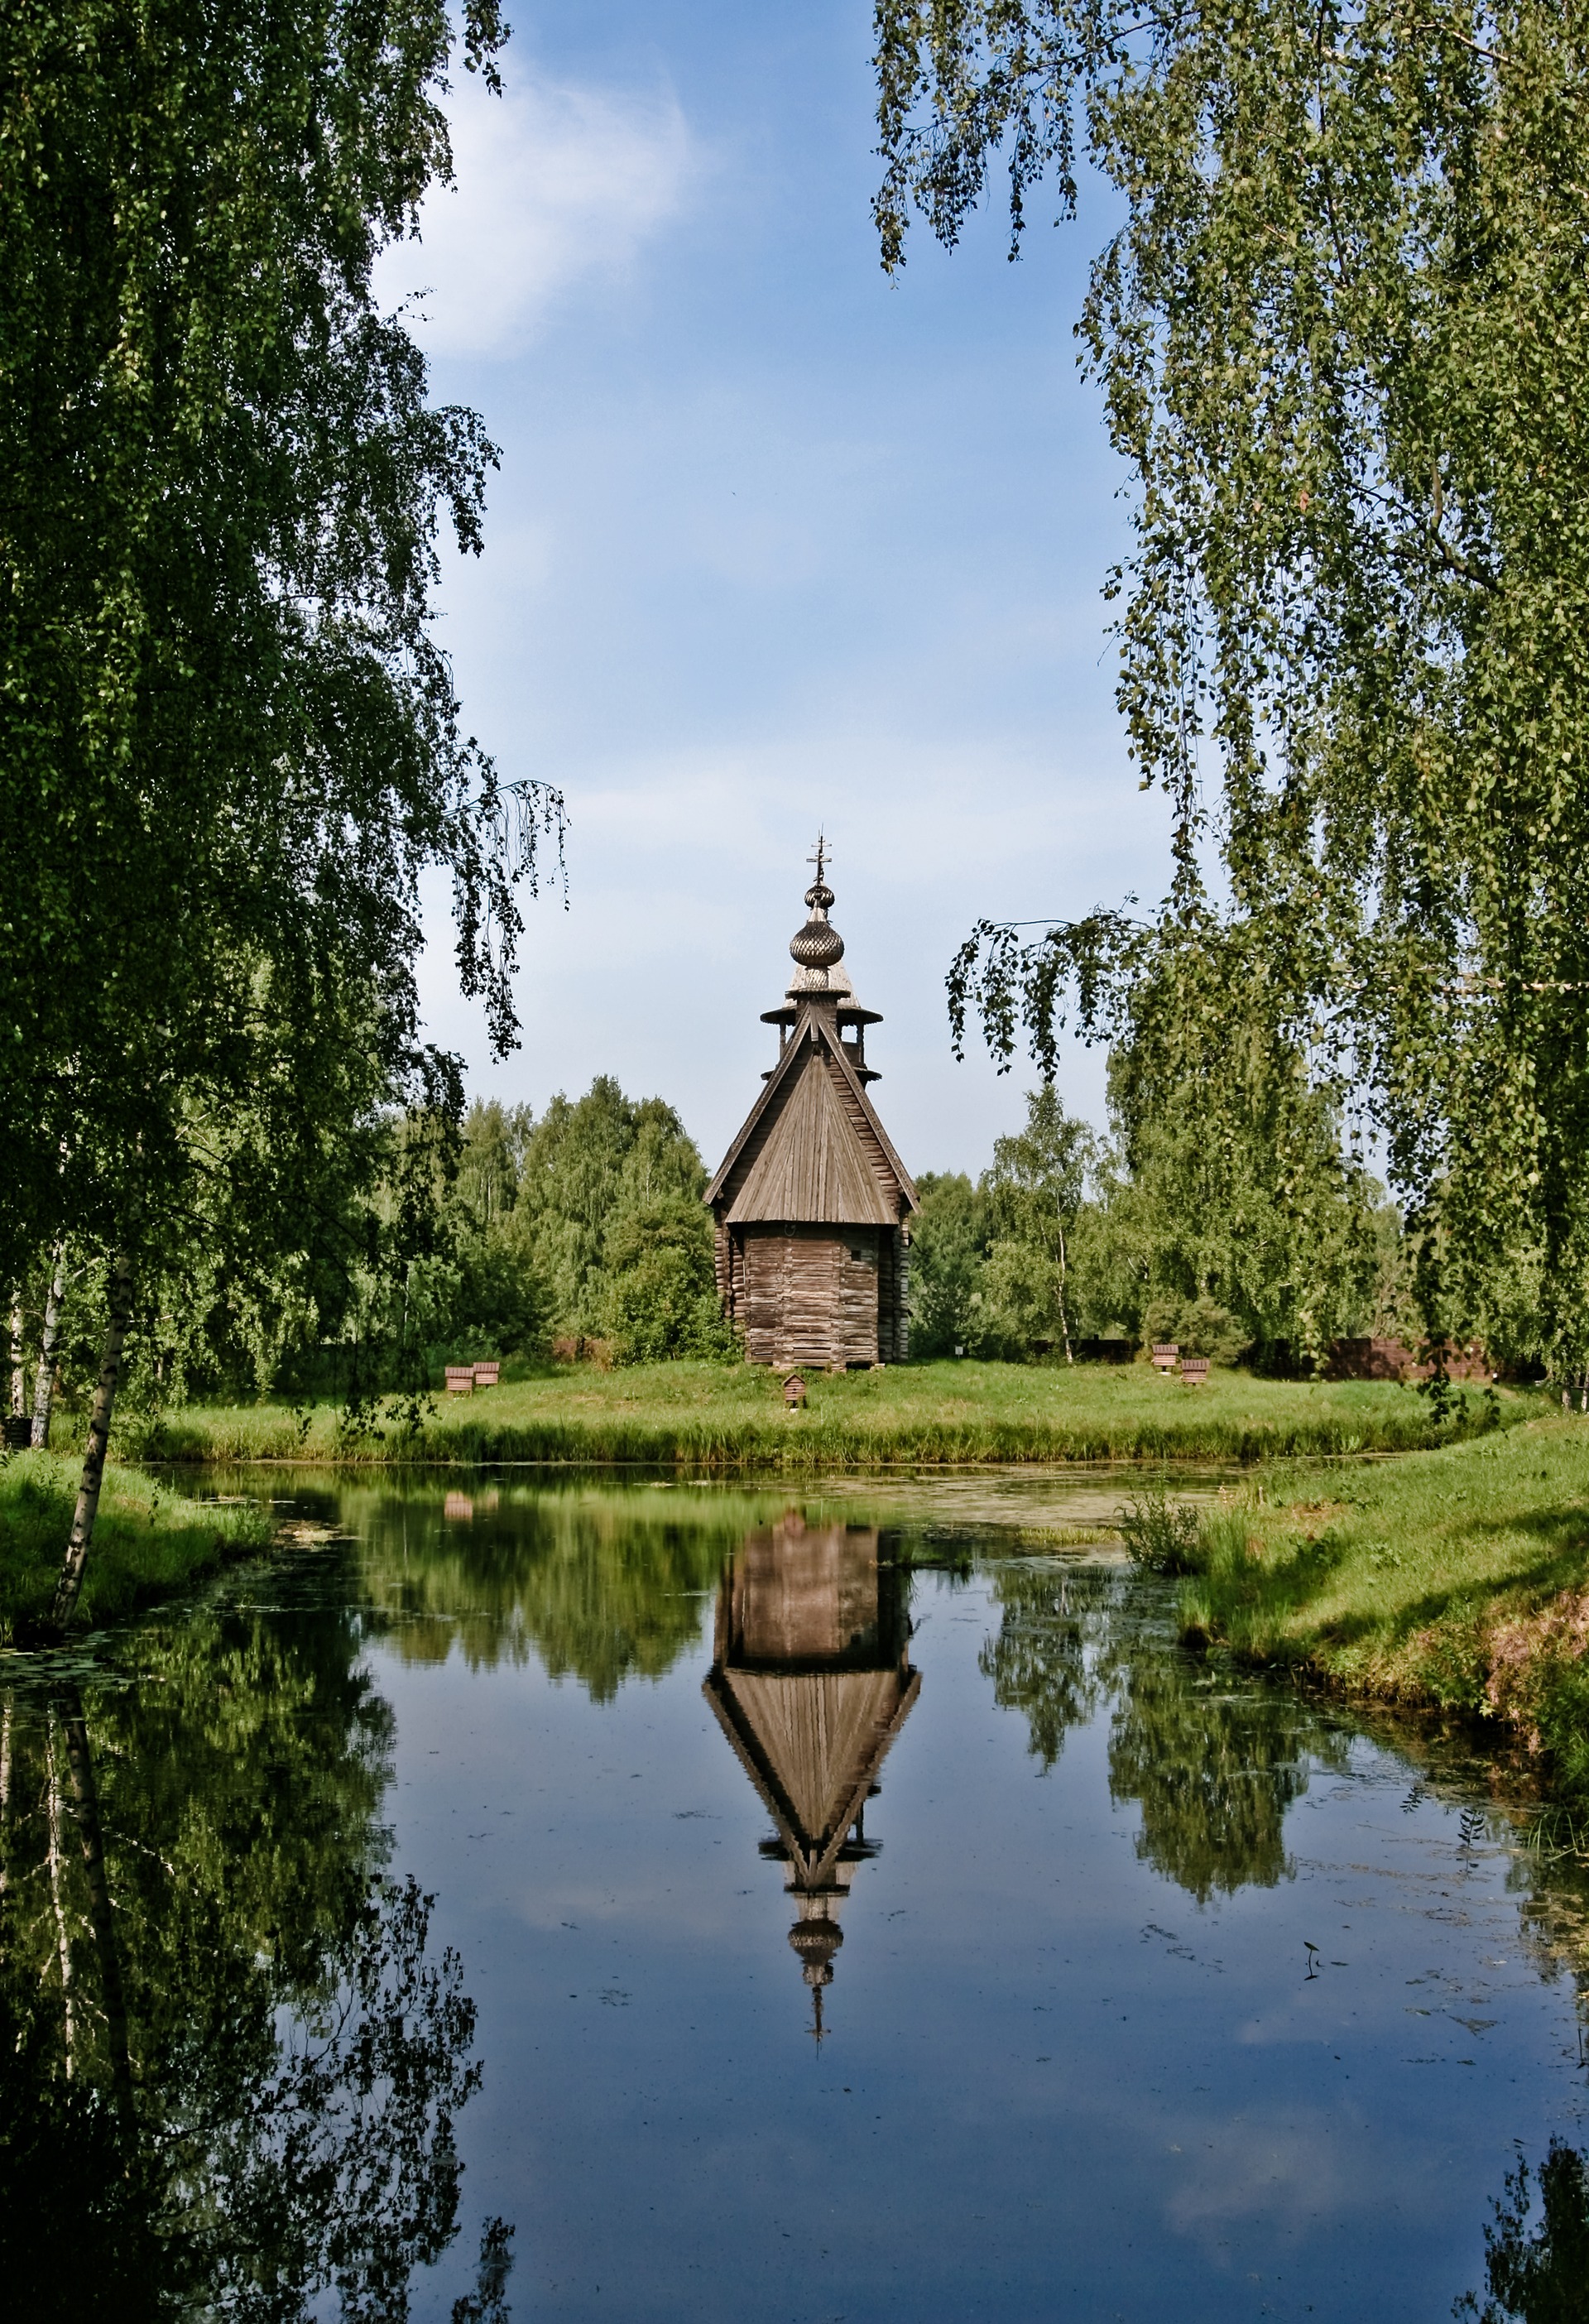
[{"x": 810, "y": 1027}]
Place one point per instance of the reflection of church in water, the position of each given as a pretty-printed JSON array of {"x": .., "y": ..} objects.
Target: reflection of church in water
[{"x": 811, "y": 1682}]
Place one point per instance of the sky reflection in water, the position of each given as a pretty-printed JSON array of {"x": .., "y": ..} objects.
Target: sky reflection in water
[{"x": 1141, "y": 1990}]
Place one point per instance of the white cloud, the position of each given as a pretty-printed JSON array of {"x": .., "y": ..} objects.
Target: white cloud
[{"x": 554, "y": 183}]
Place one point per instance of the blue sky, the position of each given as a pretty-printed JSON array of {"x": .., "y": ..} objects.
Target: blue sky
[{"x": 776, "y": 543}]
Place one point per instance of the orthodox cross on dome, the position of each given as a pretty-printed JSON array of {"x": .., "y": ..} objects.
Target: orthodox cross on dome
[
  {"x": 819, "y": 895},
  {"x": 819, "y": 945}
]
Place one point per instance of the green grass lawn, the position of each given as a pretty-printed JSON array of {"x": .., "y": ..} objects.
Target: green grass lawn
[
  {"x": 148, "y": 1540},
  {"x": 718, "y": 1418},
  {"x": 1458, "y": 1579}
]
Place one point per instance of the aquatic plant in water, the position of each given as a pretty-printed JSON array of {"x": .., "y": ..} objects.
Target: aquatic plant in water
[{"x": 1165, "y": 1536}]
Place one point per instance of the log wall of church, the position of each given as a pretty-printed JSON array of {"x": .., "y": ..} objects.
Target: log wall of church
[{"x": 811, "y": 1295}]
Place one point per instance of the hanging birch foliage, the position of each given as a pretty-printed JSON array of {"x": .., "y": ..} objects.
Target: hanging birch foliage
[
  {"x": 231, "y": 742},
  {"x": 1343, "y": 337}
]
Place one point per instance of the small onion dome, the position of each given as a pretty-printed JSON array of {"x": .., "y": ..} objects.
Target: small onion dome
[
  {"x": 815, "y": 1942},
  {"x": 817, "y": 945}
]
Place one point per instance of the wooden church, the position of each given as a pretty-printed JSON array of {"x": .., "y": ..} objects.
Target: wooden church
[
  {"x": 812, "y": 1204},
  {"x": 811, "y": 1682}
]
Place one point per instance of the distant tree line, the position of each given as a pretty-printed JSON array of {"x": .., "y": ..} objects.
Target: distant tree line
[
  {"x": 514, "y": 1234},
  {"x": 585, "y": 1226},
  {"x": 1165, "y": 1230},
  {"x": 580, "y": 1231}
]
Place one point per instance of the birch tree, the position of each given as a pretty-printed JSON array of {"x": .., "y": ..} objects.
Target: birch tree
[
  {"x": 1343, "y": 338},
  {"x": 231, "y": 739},
  {"x": 1036, "y": 1189}
]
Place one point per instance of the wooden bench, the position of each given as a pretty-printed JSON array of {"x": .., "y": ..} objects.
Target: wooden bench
[
  {"x": 460, "y": 1379},
  {"x": 1166, "y": 1355},
  {"x": 1194, "y": 1370}
]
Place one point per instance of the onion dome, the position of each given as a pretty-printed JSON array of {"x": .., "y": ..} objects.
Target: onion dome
[
  {"x": 815, "y": 1942},
  {"x": 818, "y": 944},
  {"x": 817, "y": 951}
]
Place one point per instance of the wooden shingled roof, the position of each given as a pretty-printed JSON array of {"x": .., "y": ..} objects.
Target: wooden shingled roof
[
  {"x": 812, "y": 1742},
  {"x": 812, "y": 1147}
]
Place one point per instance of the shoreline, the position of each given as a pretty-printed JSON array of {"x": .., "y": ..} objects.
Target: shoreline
[
  {"x": 1449, "y": 1581},
  {"x": 1452, "y": 1583},
  {"x": 149, "y": 1543},
  {"x": 723, "y": 1420}
]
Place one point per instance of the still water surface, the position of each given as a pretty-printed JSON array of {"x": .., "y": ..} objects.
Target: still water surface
[{"x": 852, "y": 1908}]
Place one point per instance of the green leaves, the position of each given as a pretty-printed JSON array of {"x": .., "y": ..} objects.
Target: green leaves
[
  {"x": 1341, "y": 337},
  {"x": 232, "y": 743}
]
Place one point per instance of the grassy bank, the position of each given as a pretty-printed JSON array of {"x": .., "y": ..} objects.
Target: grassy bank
[
  {"x": 1457, "y": 1579},
  {"x": 148, "y": 1541},
  {"x": 717, "y": 1418}
]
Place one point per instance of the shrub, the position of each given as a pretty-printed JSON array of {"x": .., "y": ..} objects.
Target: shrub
[
  {"x": 1200, "y": 1327},
  {"x": 1163, "y": 1536}
]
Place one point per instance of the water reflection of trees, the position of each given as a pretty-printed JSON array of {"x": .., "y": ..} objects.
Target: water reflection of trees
[
  {"x": 598, "y": 1586},
  {"x": 1043, "y": 1660},
  {"x": 1212, "y": 1769},
  {"x": 1537, "y": 2255},
  {"x": 229, "y": 2057}
]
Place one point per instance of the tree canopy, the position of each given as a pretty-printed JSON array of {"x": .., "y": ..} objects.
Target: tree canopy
[
  {"x": 1341, "y": 333},
  {"x": 231, "y": 738},
  {"x": 1222, "y": 1235}
]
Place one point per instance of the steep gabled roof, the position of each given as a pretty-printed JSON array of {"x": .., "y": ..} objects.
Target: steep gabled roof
[
  {"x": 810, "y": 1164},
  {"x": 812, "y": 1147},
  {"x": 812, "y": 1743}
]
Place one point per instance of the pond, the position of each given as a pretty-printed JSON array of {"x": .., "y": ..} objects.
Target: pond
[{"x": 567, "y": 1899}]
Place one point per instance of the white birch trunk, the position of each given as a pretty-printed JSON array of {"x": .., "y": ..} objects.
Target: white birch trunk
[
  {"x": 1064, "y": 1314},
  {"x": 19, "y": 1393},
  {"x": 110, "y": 1372},
  {"x": 44, "y": 1379},
  {"x": 6, "y": 1797},
  {"x": 58, "y": 1896},
  {"x": 85, "y": 1809}
]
